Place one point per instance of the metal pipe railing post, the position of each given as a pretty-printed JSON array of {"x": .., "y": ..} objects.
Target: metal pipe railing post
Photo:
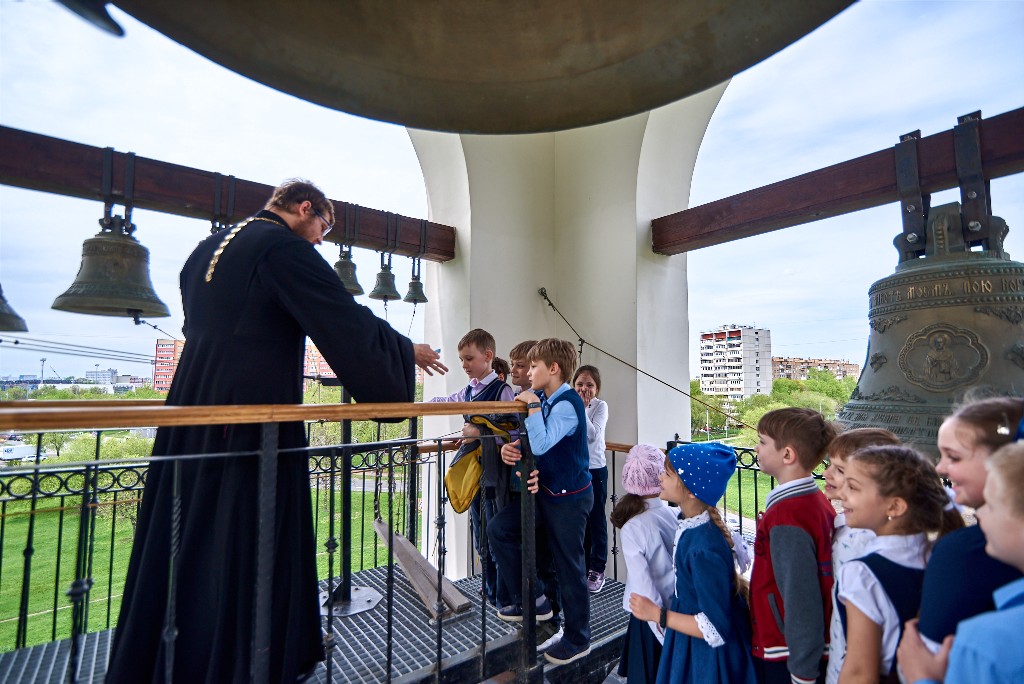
[
  {"x": 615, "y": 531},
  {"x": 346, "y": 505},
  {"x": 331, "y": 545},
  {"x": 528, "y": 637},
  {"x": 391, "y": 562},
  {"x": 21, "y": 636},
  {"x": 439, "y": 522},
  {"x": 266, "y": 503},
  {"x": 170, "y": 631},
  {"x": 412, "y": 489}
]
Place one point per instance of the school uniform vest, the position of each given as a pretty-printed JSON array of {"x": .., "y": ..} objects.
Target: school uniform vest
[
  {"x": 565, "y": 467},
  {"x": 496, "y": 476},
  {"x": 902, "y": 585}
]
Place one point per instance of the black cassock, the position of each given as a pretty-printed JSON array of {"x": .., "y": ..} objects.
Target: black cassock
[{"x": 245, "y": 336}]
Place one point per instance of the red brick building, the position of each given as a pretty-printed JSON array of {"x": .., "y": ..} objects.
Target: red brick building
[{"x": 168, "y": 352}]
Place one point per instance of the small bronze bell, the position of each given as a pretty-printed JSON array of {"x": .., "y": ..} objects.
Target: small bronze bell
[
  {"x": 346, "y": 270},
  {"x": 9, "y": 320},
  {"x": 415, "y": 295},
  {"x": 385, "y": 289},
  {"x": 113, "y": 279}
]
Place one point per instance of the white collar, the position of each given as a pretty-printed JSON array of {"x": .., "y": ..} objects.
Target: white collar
[
  {"x": 685, "y": 524},
  {"x": 486, "y": 380}
]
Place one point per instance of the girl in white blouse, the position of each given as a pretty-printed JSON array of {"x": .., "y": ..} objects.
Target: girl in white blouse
[
  {"x": 648, "y": 530},
  {"x": 895, "y": 492}
]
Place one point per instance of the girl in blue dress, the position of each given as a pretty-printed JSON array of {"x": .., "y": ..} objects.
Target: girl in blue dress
[{"x": 707, "y": 625}]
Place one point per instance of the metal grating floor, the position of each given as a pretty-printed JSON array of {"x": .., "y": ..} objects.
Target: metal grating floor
[
  {"x": 48, "y": 663},
  {"x": 361, "y": 651}
]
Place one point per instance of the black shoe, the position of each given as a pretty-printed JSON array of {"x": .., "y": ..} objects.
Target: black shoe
[{"x": 564, "y": 653}]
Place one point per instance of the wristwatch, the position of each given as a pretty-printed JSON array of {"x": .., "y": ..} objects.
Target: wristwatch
[
  {"x": 533, "y": 405},
  {"x": 663, "y": 619}
]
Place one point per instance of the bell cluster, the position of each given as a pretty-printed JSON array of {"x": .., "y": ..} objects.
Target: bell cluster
[{"x": 385, "y": 289}]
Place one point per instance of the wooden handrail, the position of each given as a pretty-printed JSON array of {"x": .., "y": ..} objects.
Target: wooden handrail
[
  {"x": 85, "y": 415},
  {"x": 78, "y": 403},
  {"x": 62, "y": 414}
]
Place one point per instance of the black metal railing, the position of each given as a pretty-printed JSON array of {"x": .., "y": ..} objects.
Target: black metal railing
[{"x": 67, "y": 529}]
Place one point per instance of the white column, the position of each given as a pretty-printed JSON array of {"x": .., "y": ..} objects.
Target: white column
[{"x": 568, "y": 211}]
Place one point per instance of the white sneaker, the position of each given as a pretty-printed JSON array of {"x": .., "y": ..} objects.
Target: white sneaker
[{"x": 552, "y": 641}]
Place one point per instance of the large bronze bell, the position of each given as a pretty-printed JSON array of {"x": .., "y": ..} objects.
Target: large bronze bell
[
  {"x": 486, "y": 66},
  {"x": 9, "y": 320},
  {"x": 346, "y": 270},
  {"x": 385, "y": 289},
  {"x": 113, "y": 279},
  {"x": 946, "y": 321}
]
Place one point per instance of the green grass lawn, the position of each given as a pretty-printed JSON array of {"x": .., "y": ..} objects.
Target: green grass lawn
[
  {"x": 748, "y": 491},
  {"x": 54, "y": 553}
]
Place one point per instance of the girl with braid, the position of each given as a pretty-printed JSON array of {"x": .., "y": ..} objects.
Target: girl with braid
[
  {"x": 707, "y": 625},
  {"x": 895, "y": 492}
]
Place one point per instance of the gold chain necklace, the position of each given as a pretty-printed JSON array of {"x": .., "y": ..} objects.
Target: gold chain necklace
[{"x": 230, "y": 236}]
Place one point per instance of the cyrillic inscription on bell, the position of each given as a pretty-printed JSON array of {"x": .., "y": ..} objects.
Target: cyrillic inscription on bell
[{"x": 946, "y": 322}]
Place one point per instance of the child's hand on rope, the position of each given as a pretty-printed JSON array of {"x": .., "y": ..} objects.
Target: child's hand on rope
[
  {"x": 510, "y": 453},
  {"x": 532, "y": 484}
]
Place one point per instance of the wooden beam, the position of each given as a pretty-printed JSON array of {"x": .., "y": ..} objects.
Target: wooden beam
[
  {"x": 38, "y": 162},
  {"x": 84, "y": 416},
  {"x": 861, "y": 183}
]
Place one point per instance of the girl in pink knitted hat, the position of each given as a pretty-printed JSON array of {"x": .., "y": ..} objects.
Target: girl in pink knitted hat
[{"x": 648, "y": 527}]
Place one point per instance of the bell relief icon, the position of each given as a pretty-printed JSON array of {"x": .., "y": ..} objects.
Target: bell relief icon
[{"x": 941, "y": 357}]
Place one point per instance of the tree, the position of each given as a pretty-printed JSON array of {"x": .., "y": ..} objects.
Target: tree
[
  {"x": 815, "y": 400},
  {"x": 57, "y": 440},
  {"x": 824, "y": 382},
  {"x": 705, "y": 410},
  {"x": 785, "y": 387},
  {"x": 145, "y": 392},
  {"x": 14, "y": 393},
  {"x": 363, "y": 431}
]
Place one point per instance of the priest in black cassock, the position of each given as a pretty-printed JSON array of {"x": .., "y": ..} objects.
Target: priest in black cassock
[{"x": 251, "y": 295}]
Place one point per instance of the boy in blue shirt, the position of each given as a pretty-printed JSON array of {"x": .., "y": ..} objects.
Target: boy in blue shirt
[{"x": 558, "y": 437}]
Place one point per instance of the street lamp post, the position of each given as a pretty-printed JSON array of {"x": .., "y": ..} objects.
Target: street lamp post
[{"x": 42, "y": 366}]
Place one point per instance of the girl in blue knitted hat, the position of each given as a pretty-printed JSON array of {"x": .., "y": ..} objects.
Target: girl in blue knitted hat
[{"x": 707, "y": 624}]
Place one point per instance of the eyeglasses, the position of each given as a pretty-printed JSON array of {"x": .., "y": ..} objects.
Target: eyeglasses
[{"x": 329, "y": 226}]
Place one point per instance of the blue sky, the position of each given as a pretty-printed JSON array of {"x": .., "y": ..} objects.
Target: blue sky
[{"x": 850, "y": 88}]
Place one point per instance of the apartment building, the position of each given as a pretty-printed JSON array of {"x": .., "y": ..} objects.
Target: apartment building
[
  {"x": 735, "y": 361},
  {"x": 796, "y": 368},
  {"x": 315, "y": 365},
  {"x": 168, "y": 353}
]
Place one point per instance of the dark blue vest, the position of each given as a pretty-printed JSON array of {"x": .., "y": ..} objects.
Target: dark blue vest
[
  {"x": 901, "y": 584},
  {"x": 565, "y": 467}
]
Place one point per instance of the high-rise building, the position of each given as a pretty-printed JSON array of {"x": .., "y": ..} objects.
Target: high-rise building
[
  {"x": 315, "y": 365},
  {"x": 736, "y": 361},
  {"x": 796, "y": 368},
  {"x": 168, "y": 352}
]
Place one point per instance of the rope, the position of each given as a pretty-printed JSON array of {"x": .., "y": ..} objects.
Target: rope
[{"x": 544, "y": 294}]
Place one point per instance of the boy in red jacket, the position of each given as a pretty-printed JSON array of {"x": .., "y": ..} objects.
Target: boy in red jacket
[{"x": 791, "y": 583}]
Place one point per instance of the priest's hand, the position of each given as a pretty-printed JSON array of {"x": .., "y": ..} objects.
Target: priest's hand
[{"x": 428, "y": 359}]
